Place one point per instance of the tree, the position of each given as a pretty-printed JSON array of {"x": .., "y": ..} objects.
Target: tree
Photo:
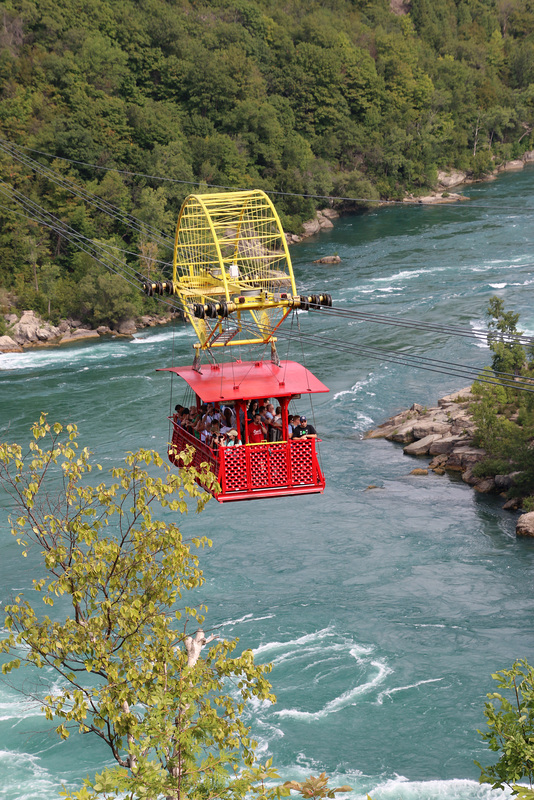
[
  {"x": 132, "y": 660},
  {"x": 503, "y": 338},
  {"x": 511, "y": 730}
]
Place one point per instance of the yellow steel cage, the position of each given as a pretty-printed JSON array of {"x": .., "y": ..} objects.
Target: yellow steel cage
[{"x": 230, "y": 251}]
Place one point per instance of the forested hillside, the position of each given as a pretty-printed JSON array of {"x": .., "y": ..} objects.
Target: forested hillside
[{"x": 337, "y": 97}]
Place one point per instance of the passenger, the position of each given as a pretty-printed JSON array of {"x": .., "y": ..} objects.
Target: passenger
[
  {"x": 257, "y": 431},
  {"x": 227, "y": 422},
  {"x": 303, "y": 430},
  {"x": 252, "y": 410},
  {"x": 275, "y": 430},
  {"x": 177, "y": 412},
  {"x": 293, "y": 421},
  {"x": 232, "y": 438}
]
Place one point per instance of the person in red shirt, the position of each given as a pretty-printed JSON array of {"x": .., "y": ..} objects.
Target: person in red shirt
[{"x": 257, "y": 431}]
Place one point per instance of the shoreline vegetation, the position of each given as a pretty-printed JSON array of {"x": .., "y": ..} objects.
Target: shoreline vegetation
[
  {"x": 484, "y": 431},
  {"x": 112, "y": 115},
  {"x": 29, "y": 329},
  {"x": 446, "y": 434}
]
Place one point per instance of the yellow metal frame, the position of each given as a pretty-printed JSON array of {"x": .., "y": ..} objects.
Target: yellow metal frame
[{"x": 230, "y": 248}]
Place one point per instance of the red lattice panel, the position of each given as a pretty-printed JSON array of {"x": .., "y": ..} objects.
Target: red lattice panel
[
  {"x": 301, "y": 462},
  {"x": 278, "y": 465},
  {"x": 201, "y": 452},
  {"x": 235, "y": 469},
  {"x": 259, "y": 466}
]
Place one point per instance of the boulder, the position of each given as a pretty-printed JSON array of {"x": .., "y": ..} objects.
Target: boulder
[
  {"x": 438, "y": 461},
  {"x": 444, "y": 444},
  {"x": 9, "y": 345},
  {"x": 468, "y": 477},
  {"x": 485, "y": 486},
  {"x": 461, "y": 396},
  {"x": 402, "y": 433},
  {"x": 74, "y": 323},
  {"x": 78, "y": 335},
  {"x": 426, "y": 427},
  {"x": 513, "y": 504},
  {"x": 505, "y": 482},
  {"x": 311, "y": 227},
  {"x": 328, "y": 260},
  {"x": 528, "y": 156},
  {"x": 331, "y": 213},
  {"x": 447, "y": 180},
  {"x": 127, "y": 327},
  {"x": 102, "y": 330},
  {"x": 525, "y": 525},
  {"x": 323, "y": 220},
  {"x": 464, "y": 455},
  {"x": 516, "y": 164},
  {"x": 422, "y": 446},
  {"x": 419, "y": 471}
]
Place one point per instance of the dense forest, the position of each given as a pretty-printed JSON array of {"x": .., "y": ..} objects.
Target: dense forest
[{"x": 351, "y": 98}]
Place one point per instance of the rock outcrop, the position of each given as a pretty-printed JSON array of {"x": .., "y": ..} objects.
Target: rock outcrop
[
  {"x": 525, "y": 525},
  {"x": 29, "y": 330},
  {"x": 445, "y": 433}
]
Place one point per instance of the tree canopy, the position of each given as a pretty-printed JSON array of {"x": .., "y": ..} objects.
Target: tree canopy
[
  {"x": 347, "y": 97},
  {"x": 109, "y": 620}
]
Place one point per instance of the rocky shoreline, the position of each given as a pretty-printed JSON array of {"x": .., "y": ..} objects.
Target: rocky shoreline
[
  {"x": 30, "y": 330},
  {"x": 447, "y": 180},
  {"x": 444, "y": 434}
]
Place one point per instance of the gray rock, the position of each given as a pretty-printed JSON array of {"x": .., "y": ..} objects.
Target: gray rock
[
  {"x": 323, "y": 221},
  {"x": 444, "y": 445},
  {"x": 402, "y": 433},
  {"x": 311, "y": 227},
  {"x": 9, "y": 345},
  {"x": 328, "y": 260},
  {"x": 505, "y": 482},
  {"x": 127, "y": 327},
  {"x": 485, "y": 486},
  {"x": 457, "y": 397},
  {"x": 451, "y": 178},
  {"x": 464, "y": 456},
  {"x": 468, "y": 477},
  {"x": 331, "y": 213},
  {"x": 425, "y": 428},
  {"x": 78, "y": 335},
  {"x": 422, "y": 446},
  {"x": 525, "y": 525}
]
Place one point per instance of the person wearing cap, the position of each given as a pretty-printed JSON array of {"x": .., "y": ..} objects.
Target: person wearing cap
[
  {"x": 231, "y": 438},
  {"x": 303, "y": 430}
]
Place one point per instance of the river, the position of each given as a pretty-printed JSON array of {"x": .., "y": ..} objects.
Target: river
[{"x": 384, "y": 611}]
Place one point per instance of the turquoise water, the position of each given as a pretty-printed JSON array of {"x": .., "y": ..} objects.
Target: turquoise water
[{"x": 383, "y": 611}]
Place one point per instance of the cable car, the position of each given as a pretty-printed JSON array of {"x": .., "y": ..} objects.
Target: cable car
[
  {"x": 233, "y": 279},
  {"x": 266, "y": 469}
]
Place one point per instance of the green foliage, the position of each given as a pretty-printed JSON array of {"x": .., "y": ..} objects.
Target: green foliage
[
  {"x": 508, "y": 353},
  {"x": 316, "y": 788},
  {"x": 510, "y": 730},
  {"x": 107, "y": 623},
  {"x": 348, "y": 99},
  {"x": 489, "y": 467}
]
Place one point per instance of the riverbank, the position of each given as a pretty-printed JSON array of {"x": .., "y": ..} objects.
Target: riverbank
[
  {"x": 29, "y": 330},
  {"x": 445, "y": 434},
  {"x": 442, "y": 194}
]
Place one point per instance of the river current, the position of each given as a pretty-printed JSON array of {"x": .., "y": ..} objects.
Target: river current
[{"x": 384, "y": 611}]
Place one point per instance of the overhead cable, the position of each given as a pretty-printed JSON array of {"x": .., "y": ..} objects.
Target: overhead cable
[{"x": 341, "y": 198}]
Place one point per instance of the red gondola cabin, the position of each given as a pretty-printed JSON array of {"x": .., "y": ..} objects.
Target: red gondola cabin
[{"x": 266, "y": 469}]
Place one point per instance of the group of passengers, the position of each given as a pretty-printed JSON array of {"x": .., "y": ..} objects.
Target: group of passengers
[{"x": 217, "y": 425}]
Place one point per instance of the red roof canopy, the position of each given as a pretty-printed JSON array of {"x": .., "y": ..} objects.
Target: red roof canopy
[{"x": 247, "y": 380}]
